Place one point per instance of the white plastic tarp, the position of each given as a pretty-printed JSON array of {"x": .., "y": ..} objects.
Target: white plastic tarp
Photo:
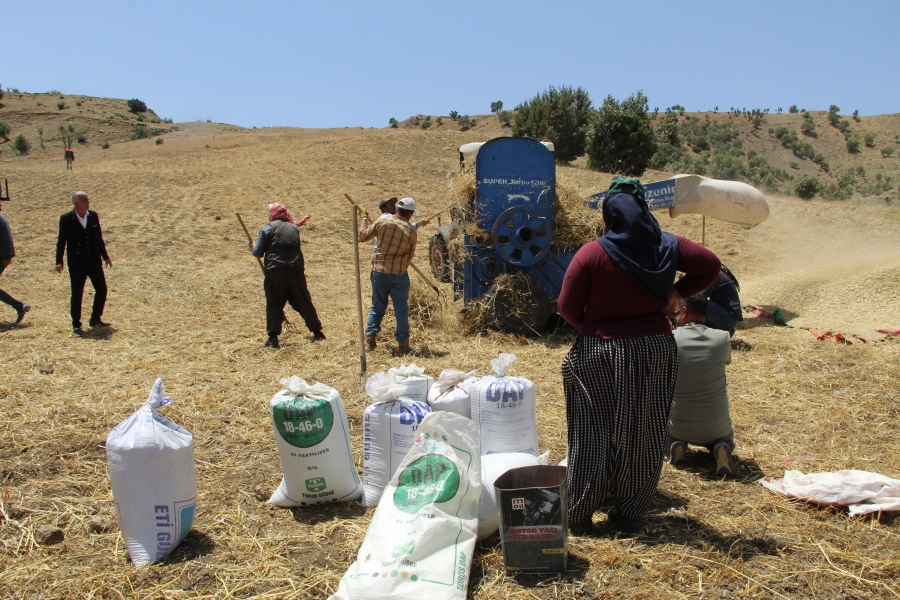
[{"x": 863, "y": 492}]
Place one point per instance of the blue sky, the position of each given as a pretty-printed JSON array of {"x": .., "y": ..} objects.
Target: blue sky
[{"x": 342, "y": 63}]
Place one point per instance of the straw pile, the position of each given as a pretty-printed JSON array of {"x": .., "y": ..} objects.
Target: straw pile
[{"x": 186, "y": 304}]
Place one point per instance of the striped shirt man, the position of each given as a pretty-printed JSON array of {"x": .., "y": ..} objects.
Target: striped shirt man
[{"x": 395, "y": 245}]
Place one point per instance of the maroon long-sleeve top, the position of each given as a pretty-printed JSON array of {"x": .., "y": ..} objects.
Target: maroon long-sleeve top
[{"x": 601, "y": 300}]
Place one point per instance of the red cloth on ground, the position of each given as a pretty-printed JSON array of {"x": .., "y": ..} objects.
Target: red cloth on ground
[{"x": 601, "y": 300}]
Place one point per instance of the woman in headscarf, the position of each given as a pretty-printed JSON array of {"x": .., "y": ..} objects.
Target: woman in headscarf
[{"x": 619, "y": 376}]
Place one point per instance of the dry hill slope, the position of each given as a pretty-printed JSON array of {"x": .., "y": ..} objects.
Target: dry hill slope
[{"x": 186, "y": 304}]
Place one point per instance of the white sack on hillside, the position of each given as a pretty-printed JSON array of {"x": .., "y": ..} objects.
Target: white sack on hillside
[
  {"x": 451, "y": 392},
  {"x": 150, "y": 460},
  {"x": 421, "y": 540},
  {"x": 313, "y": 438},
  {"x": 414, "y": 379},
  {"x": 731, "y": 201},
  {"x": 862, "y": 491}
]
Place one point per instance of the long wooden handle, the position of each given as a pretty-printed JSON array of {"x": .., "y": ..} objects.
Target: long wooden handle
[
  {"x": 250, "y": 239},
  {"x": 359, "y": 314},
  {"x": 423, "y": 276}
]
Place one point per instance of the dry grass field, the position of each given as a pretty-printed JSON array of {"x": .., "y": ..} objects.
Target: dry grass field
[{"x": 186, "y": 304}]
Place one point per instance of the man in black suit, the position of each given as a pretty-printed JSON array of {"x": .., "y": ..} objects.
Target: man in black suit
[{"x": 80, "y": 230}]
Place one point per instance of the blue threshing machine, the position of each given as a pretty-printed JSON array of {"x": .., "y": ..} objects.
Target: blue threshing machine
[{"x": 514, "y": 216}]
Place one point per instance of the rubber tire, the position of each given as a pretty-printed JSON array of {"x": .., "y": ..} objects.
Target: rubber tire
[
  {"x": 439, "y": 258},
  {"x": 528, "y": 318}
]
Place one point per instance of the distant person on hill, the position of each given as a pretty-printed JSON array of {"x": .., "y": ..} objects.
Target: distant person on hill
[
  {"x": 724, "y": 309},
  {"x": 70, "y": 158},
  {"x": 79, "y": 233},
  {"x": 279, "y": 242},
  {"x": 7, "y": 253},
  {"x": 699, "y": 413},
  {"x": 394, "y": 250}
]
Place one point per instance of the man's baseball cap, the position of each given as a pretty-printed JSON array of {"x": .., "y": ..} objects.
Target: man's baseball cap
[
  {"x": 385, "y": 202},
  {"x": 407, "y": 204}
]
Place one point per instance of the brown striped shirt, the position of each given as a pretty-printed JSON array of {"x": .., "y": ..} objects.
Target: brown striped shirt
[{"x": 395, "y": 247}]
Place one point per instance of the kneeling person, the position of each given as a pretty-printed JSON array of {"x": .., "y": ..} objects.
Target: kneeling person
[
  {"x": 285, "y": 278},
  {"x": 699, "y": 413}
]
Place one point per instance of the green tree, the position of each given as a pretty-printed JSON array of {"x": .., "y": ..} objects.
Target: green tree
[
  {"x": 4, "y": 130},
  {"x": 807, "y": 187},
  {"x": 136, "y": 106},
  {"x": 559, "y": 115},
  {"x": 21, "y": 145},
  {"x": 496, "y": 107},
  {"x": 621, "y": 138},
  {"x": 392, "y": 122},
  {"x": 870, "y": 140},
  {"x": 505, "y": 117}
]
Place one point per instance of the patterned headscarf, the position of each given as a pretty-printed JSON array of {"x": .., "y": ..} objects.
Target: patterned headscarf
[{"x": 278, "y": 212}]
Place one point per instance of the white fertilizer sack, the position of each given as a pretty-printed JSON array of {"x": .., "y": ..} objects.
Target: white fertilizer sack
[
  {"x": 414, "y": 379},
  {"x": 150, "y": 461},
  {"x": 503, "y": 408},
  {"x": 492, "y": 467},
  {"x": 313, "y": 438},
  {"x": 451, "y": 392},
  {"x": 422, "y": 536},
  {"x": 389, "y": 430}
]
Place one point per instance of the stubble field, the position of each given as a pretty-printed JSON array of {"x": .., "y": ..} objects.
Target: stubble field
[{"x": 186, "y": 304}]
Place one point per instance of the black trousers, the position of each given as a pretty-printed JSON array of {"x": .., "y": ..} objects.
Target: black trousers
[
  {"x": 78, "y": 274},
  {"x": 6, "y": 298},
  {"x": 288, "y": 284}
]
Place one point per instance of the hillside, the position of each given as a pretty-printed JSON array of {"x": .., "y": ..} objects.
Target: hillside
[{"x": 186, "y": 304}]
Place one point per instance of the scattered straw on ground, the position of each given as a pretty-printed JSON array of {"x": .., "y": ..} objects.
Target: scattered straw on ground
[{"x": 186, "y": 304}]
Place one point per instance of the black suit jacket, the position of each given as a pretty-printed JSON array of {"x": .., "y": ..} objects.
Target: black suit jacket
[{"x": 70, "y": 230}]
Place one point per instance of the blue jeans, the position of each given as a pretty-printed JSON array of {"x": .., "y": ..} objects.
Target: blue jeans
[
  {"x": 719, "y": 318},
  {"x": 395, "y": 287}
]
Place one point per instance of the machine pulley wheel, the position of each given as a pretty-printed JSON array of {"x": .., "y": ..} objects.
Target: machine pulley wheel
[
  {"x": 522, "y": 237},
  {"x": 439, "y": 257}
]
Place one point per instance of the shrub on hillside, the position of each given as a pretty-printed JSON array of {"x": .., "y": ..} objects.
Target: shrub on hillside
[
  {"x": 439, "y": 121},
  {"x": 21, "y": 145},
  {"x": 808, "y": 127},
  {"x": 621, "y": 138},
  {"x": 856, "y": 116},
  {"x": 426, "y": 123},
  {"x": 4, "y": 130},
  {"x": 81, "y": 137},
  {"x": 136, "y": 106},
  {"x": 853, "y": 144},
  {"x": 807, "y": 187},
  {"x": 392, "y": 122},
  {"x": 496, "y": 107},
  {"x": 505, "y": 117},
  {"x": 887, "y": 151},
  {"x": 167, "y": 120},
  {"x": 105, "y": 146},
  {"x": 454, "y": 114},
  {"x": 464, "y": 122},
  {"x": 78, "y": 103},
  {"x": 793, "y": 109},
  {"x": 870, "y": 140},
  {"x": 666, "y": 129},
  {"x": 559, "y": 115},
  {"x": 159, "y": 141},
  {"x": 61, "y": 104},
  {"x": 795, "y": 164},
  {"x": 139, "y": 132}
]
